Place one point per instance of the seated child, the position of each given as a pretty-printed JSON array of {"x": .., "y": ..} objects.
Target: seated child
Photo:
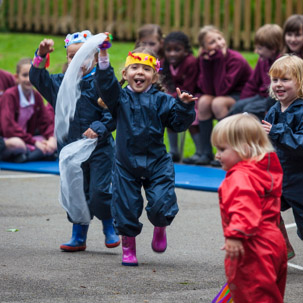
[
  {"x": 293, "y": 35},
  {"x": 22, "y": 114},
  {"x": 222, "y": 75},
  {"x": 151, "y": 36},
  {"x": 255, "y": 97},
  {"x": 179, "y": 69}
]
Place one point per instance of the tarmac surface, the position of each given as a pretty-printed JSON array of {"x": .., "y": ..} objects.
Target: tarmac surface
[{"x": 34, "y": 270}]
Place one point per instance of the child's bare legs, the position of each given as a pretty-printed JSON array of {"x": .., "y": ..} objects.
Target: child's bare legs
[
  {"x": 14, "y": 148},
  {"x": 15, "y": 145},
  {"x": 205, "y": 116},
  {"x": 221, "y": 106}
]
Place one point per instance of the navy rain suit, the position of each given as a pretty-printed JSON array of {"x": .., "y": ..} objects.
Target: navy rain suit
[
  {"x": 97, "y": 170},
  {"x": 287, "y": 136},
  {"x": 141, "y": 157}
]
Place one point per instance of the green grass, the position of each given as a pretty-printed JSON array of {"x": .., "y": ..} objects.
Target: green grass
[{"x": 14, "y": 46}]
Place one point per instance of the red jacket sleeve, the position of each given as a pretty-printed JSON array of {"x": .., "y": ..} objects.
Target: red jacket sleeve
[{"x": 240, "y": 206}]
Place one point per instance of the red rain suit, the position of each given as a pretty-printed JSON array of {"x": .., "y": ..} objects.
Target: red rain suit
[{"x": 250, "y": 211}]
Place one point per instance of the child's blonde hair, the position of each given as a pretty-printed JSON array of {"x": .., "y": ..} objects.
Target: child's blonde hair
[
  {"x": 288, "y": 65},
  {"x": 204, "y": 31},
  {"x": 270, "y": 36},
  {"x": 244, "y": 134}
]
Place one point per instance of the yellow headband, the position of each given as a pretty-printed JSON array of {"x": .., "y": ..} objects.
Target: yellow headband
[{"x": 141, "y": 58}]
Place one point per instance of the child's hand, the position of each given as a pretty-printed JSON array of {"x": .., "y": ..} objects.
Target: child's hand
[
  {"x": 51, "y": 145},
  {"x": 234, "y": 248},
  {"x": 185, "y": 97},
  {"x": 266, "y": 126},
  {"x": 45, "y": 47},
  {"x": 106, "y": 43},
  {"x": 42, "y": 146},
  {"x": 206, "y": 55},
  {"x": 89, "y": 133}
]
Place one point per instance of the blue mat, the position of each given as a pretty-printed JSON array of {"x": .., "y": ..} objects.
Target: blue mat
[
  {"x": 46, "y": 167},
  {"x": 187, "y": 176},
  {"x": 198, "y": 177}
]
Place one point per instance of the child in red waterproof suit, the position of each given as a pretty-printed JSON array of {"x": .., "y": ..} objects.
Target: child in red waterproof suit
[{"x": 256, "y": 260}]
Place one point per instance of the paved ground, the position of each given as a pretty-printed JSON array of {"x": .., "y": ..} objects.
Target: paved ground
[{"x": 33, "y": 269}]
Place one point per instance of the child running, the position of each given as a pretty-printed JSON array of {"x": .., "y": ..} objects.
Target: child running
[
  {"x": 180, "y": 69},
  {"x": 284, "y": 125},
  {"x": 142, "y": 113},
  {"x": 255, "y": 260},
  {"x": 222, "y": 75},
  {"x": 293, "y": 35},
  {"x": 91, "y": 120},
  {"x": 22, "y": 115}
]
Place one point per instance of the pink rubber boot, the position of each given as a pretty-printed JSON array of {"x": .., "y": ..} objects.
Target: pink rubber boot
[
  {"x": 159, "y": 242},
  {"x": 129, "y": 251}
]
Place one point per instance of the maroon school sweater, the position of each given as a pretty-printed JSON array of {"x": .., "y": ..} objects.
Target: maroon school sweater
[
  {"x": 186, "y": 77},
  {"x": 7, "y": 80},
  {"x": 9, "y": 112},
  {"x": 222, "y": 75},
  {"x": 259, "y": 81}
]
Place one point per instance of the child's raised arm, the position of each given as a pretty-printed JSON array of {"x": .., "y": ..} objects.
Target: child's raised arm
[{"x": 45, "y": 47}]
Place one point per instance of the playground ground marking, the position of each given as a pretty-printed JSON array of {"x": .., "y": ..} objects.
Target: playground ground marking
[
  {"x": 295, "y": 266},
  {"x": 290, "y": 225}
]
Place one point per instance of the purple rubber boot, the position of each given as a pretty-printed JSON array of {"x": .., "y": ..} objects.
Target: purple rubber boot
[
  {"x": 159, "y": 242},
  {"x": 129, "y": 251}
]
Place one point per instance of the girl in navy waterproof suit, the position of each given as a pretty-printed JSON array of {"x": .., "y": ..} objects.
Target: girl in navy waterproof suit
[
  {"x": 89, "y": 117},
  {"x": 284, "y": 124},
  {"x": 142, "y": 113}
]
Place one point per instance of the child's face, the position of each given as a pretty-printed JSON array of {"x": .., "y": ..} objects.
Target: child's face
[
  {"x": 139, "y": 76},
  {"x": 152, "y": 42},
  {"x": 264, "y": 52},
  {"x": 23, "y": 78},
  {"x": 70, "y": 54},
  {"x": 214, "y": 41},
  {"x": 174, "y": 52},
  {"x": 285, "y": 89},
  {"x": 294, "y": 41},
  {"x": 227, "y": 156}
]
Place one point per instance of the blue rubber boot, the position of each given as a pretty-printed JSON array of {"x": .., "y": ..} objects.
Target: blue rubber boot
[
  {"x": 111, "y": 238},
  {"x": 78, "y": 239}
]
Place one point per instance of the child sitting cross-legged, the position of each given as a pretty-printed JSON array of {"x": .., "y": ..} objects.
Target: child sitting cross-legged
[{"x": 255, "y": 97}]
